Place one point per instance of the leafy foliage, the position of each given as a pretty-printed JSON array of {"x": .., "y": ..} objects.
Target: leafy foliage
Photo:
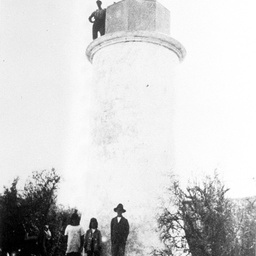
[
  {"x": 245, "y": 224},
  {"x": 58, "y": 219},
  {"x": 24, "y": 213},
  {"x": 11, "y": 218},
  {"x": 39, "y": 196},
  {"x": 198, "y": 220}
]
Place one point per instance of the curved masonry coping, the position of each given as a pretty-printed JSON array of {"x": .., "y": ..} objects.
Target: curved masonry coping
[{"x": 137, "y": 36}]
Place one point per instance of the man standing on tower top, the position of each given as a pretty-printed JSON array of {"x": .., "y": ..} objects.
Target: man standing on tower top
[{"x": 98, "y": 19}]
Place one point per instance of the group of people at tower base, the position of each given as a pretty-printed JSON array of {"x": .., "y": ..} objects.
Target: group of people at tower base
[
  {"x": 98, "y": 18},
  {"x": 91, "y": 240}
]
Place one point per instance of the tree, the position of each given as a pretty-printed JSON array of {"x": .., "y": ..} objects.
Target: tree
[
  {"x": 27, "y": 211},
  {"x": 198, "y": 220},
  {"x": 11, "y": 219},
  {"x": 58, "y": 219},
  {"x": 39, "y": 196},
  {"x": 245, "y": 223}
]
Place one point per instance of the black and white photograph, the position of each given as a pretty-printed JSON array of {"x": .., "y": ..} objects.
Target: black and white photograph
[{"x": 127, "y": 128}]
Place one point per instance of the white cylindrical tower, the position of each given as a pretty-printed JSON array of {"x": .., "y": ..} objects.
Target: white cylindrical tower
[{"x": 131, "y": 115}]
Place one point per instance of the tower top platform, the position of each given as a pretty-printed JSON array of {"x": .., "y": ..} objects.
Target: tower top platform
[{"x": 136, "y": 21}]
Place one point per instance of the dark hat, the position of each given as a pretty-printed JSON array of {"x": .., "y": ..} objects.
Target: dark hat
[
  {"x": 119, "y": 207},
  {"x": 98, "y": 1}
]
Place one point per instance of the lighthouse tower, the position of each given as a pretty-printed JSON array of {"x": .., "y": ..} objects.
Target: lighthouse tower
[{"x": 131, "y": 144}]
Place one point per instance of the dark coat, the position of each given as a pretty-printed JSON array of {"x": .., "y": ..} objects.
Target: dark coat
[
  {"x": 93, "y": 241},
  {"x": 119, "y": 230}
]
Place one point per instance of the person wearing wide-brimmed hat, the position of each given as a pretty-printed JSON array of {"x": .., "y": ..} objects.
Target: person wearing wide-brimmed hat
[{"x": 119, "y": 232}]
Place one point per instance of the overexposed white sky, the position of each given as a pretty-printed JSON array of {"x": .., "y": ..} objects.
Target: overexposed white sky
[{"x": 44, "y": 99}]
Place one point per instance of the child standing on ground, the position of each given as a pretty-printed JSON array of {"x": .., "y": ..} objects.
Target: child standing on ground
[
  {"x": 93, "y": 242},
  {"x": 74, "y": 234}
]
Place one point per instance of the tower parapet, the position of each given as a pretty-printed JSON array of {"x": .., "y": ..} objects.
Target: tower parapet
[
  {"x": 137, "y": 21},
  {"x": 134, "y": 15}
]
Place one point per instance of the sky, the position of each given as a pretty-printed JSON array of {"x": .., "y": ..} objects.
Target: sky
[{"x": 44, "y": 76}]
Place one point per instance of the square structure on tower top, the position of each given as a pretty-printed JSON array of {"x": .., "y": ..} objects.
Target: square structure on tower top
[{"x": 138, "y": 15}]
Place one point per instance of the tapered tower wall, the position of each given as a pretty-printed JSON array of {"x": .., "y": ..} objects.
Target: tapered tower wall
[{"x": 131, "y": 147}]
